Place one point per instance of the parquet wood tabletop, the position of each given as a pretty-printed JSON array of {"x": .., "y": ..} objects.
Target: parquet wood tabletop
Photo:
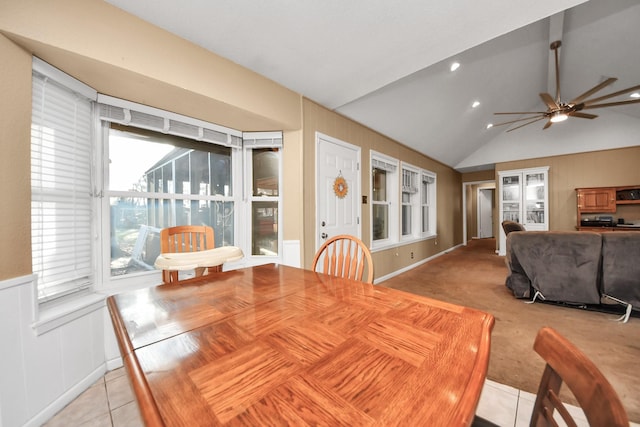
[{"x": 277, "y": 345}]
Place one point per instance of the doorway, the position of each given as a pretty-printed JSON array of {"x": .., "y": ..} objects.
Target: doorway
[
  {"x": 470, "y": 205},
  {"x": 486, "y": 196}
]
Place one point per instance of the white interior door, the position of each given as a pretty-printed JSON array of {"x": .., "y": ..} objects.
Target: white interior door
[
  {"x": 337, "y": 209},
  {"x": 485, "y": 212}
]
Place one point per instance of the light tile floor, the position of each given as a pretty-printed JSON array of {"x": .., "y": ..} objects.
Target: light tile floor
[
  {"x": 110, "y": 403},
  {"x": 509, "y": 407}
]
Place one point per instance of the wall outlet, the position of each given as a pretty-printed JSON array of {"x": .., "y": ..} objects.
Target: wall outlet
[{"x": 412, "y": 255}]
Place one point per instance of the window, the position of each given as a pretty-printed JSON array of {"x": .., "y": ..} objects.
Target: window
[
  {"x": 428, "y": 203},
  {"x": 107, "y": 175},
  {"x": 61, "y": 183},
  {"x": 410, "y": 201},
  {"x": 403, "y": 206},
  {"x": 263, "y": 154},
  {"x": 384, "y": 200},
  {"x": 157, "y": 181}
]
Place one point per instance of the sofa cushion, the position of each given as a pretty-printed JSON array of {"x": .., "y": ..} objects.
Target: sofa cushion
[
  {"x": 563, "y": 266},
  {"x": 621, "y": 266}
]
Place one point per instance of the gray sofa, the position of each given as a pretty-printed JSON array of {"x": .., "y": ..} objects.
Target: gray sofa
[{"x": 575, "y": 267}]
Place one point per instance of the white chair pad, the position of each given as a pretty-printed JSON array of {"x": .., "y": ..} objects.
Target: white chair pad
[{"x": 180, "y": 261}]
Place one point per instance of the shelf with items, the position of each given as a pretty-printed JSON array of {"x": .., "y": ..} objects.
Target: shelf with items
[{"x": 608, "y": 208}]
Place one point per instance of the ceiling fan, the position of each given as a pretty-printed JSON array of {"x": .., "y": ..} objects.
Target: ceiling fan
[{"x": 558, "y": 111}]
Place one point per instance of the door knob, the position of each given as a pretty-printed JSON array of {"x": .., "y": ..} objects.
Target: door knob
[{"x": 324, "y": 235}]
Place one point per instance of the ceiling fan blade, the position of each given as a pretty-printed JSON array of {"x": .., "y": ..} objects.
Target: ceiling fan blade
[
  {"x": 518, "y": 120},
  {"x": 555, "y": 46},
  {"x": 583, "y": 115},
  {"x": 528, "y": 123},
  {"x": 524, "y": 112},
  {"x": 593, "y": 90},
  {"x": 548, "y": 125},
  {"x": 548, "y": 100},
  {"x": 611, "y": 95},
  {"x": 612, "y": 104}
]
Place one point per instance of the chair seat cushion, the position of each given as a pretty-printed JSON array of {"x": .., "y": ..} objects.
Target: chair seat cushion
[{"x": 180, "y": 261}]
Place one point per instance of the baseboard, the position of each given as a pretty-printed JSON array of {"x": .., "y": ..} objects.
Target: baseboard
[
  {"x": 67, "y": 397},
  {"x": 114, "y": 364},
  {"x": 412, "y": 266}
]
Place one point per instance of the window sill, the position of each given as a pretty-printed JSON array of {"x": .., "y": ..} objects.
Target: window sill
[{"x": 53, "y": 317}]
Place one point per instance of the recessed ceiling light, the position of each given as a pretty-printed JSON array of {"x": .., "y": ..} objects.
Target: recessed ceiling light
[
  {"x": 635, "y": 95},
  {"x": 455, "y": 66},
  {"x": 489, "y": 126},
  {"x": 475, "y": 104}
]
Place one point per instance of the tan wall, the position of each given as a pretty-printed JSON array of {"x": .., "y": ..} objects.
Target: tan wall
[
  {"x": 318, "y": 119},
  {"x": 617, "y": 167},
  {"x": 15, "y": 158},
  {"x": 120, "y": 55}
]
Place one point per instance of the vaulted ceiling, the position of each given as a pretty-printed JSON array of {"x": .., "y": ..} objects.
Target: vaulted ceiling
[{"x": 387, "y": 64}]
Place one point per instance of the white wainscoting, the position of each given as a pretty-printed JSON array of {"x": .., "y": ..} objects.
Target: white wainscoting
[
  {"x": 291, "y": 253},
  {"x": 41, "y": 373}
]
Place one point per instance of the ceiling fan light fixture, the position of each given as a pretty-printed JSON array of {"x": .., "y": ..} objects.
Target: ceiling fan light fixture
[
  {"x": 635, "y": 95},
  {"x": 558, "y": 117}
]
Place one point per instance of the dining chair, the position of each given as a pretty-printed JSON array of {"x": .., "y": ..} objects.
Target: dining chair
[
  {"x": 345, "y": 256},
  {"x": 186, "y": 238},
  {"x": 567, "y": 364}
]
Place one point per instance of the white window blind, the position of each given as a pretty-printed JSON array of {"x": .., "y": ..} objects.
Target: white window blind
[
  {"x": 381, "y": 164},
  {"x": 262, "y": 139},
  {"x": 61, "y": 186},
  {"x": 409, "y": 181},
  {"x": 129, "y": 113}
]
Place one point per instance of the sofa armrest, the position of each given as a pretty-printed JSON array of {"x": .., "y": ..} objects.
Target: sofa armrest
[{"x": 517, "y": 279}]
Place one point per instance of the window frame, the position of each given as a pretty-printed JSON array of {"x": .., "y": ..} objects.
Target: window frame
[
  {"x": 391, "y": 165},
  {"x": 253, "y": 141},
  {"x": 429, "y": 203},
  {"x": 141, "y": 278},
  {"x": 415, "y": 195}
]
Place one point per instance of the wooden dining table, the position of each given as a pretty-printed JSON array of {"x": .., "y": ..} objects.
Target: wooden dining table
[{"x": 278, "y": 345}]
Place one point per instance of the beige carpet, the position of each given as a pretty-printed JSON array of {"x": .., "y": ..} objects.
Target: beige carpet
[{"x": 474, "y": 276}]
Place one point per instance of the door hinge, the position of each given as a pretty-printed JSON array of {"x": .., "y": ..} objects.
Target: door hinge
[{"x": 358, "y": 220}]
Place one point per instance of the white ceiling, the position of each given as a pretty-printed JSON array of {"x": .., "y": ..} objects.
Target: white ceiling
[{"x": 386, "y": 64}]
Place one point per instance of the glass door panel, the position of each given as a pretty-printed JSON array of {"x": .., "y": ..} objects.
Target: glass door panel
[
  {"x": 534, "y": 195},
  {"x": 511, "y": 188},
  {"x": 511, "y": 212}
]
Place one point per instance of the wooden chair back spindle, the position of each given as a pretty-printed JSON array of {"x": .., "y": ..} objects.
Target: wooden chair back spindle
[{"x": 345, "y": 256}]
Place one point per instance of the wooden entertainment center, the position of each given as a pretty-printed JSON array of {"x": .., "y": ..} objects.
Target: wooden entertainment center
[{"x": 608, "y": 208}]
